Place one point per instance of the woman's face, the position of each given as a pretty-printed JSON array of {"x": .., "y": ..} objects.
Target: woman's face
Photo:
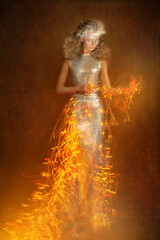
[{"x": 90, "y": 42}]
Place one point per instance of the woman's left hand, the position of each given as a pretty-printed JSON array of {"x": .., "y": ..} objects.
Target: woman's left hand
[{"x": 86, "y": 89}]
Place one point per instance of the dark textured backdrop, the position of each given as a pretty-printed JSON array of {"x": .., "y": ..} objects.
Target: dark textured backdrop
[{"x": 32, "y": 33}]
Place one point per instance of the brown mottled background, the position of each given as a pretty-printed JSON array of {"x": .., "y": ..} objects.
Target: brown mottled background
[{"x": 32, "y": 33}]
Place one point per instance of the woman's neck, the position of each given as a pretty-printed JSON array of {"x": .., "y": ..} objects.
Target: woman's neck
[
  {"x": 85, "y": 54},
  {"x": 86, "y": 51}
]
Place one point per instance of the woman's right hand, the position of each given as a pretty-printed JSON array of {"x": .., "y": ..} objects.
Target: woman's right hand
[{"x": 85, "y": 89}]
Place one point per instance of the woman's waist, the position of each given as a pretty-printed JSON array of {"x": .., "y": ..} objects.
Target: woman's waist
[{"x": 93, "y": 95}]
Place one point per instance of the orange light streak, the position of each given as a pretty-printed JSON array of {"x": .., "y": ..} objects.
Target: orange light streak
[
  {"x": 122, "y": 98},
  {"x": 61, "y": 201}
]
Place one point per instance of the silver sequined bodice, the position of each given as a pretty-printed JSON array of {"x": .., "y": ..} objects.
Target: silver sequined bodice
[
  {"x": 88, "y": 108},
  {"x": 85, "y": 69}
]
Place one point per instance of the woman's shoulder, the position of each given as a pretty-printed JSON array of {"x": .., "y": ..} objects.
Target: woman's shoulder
[
  {"x": 104, "y": 62},
  {"x": 66, "y": 62},
  {"x": 73, "y": 61}
]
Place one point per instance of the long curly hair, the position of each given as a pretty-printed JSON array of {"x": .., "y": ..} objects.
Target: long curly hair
[{"x": 73, "y": 45}]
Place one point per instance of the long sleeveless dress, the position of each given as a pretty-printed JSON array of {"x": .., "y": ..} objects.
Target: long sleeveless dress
[
  {"x": 81, "y": 153},
  {"x": 78, "y": 184},
  {"x": 95, "y": 182},
  {"x": 85, "y": 69}
]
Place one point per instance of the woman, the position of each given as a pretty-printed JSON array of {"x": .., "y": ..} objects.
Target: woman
[
  {"x": 88, "y": 68},
  {"x": 80, "y": 183}
]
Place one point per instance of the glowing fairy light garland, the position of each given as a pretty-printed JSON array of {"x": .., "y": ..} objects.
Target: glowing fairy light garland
[
  {"x": 122, "y": 97},
  {"x": 54, "y": 210}
]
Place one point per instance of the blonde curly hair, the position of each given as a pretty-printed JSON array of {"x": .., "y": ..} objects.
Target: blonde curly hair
[{"x": 73, "y": 45}]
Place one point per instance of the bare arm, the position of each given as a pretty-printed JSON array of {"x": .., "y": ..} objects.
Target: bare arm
[
  {"x": 105, "y": 80},
  {"x": 104, "y": 76},
  {"x": 61, "y": 88}
]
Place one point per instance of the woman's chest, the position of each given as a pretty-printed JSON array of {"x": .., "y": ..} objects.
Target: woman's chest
[{"x": 85, "y": 70}]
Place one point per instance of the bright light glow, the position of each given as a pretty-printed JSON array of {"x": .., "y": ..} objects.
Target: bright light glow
[{"x": 74, "y": 187}]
